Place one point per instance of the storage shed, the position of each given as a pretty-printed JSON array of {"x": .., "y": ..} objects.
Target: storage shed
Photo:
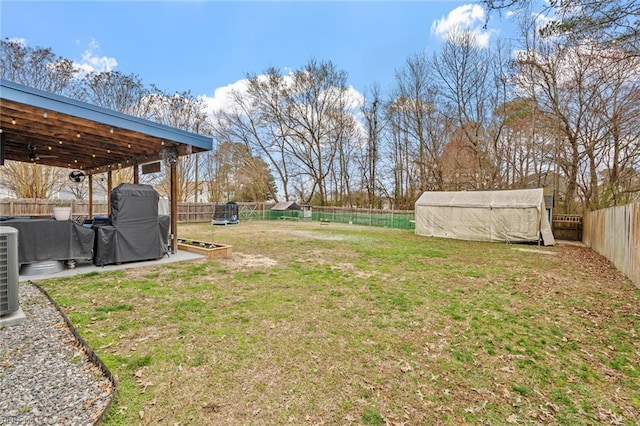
[{"x": 505, "y": 215}]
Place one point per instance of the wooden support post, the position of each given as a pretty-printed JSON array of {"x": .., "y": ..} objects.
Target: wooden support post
[
  {"x": 136, "y": 173},
  {"x": 109, "y": 188},
  {"x": 174, "y": 207},
  {"x": 90, "y": 197}
]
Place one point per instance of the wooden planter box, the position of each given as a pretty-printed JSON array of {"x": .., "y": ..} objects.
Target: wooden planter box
[{"x": 211, "y": 250}]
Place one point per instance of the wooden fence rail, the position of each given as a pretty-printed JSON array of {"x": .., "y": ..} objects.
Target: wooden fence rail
[
  {"x": 44, "y": 208},
  {"x": 187, "y": 212},
  {"x": 615, "y": 234}
]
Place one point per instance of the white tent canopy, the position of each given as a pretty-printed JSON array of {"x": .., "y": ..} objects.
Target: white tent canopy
[{"x": 507, "y": 215}]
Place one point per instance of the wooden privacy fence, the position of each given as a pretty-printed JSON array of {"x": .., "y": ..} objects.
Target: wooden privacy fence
[
  {"x": 187, "y": 212},
  {"x": 615, "y": 234},
  {"x": 44, "y": 208}
]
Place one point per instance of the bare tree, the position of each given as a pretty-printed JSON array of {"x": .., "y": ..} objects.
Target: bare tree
[
  {"x": 28, "y": 180},
  {"x": 346, "y": 135},
  {"x": 620, "y": 100},
  {"x": 315, "y": 105},
  {"x": 403, "y": 173},
  {"x": 239, "y": 175},
  {"x": 527, "y": 143},
  {"x": 373, "y": 116},
  {"x": 254, "y": 121},
  {"x": 36, "y": 67},
  {"x": 589, "y": 95},
  {"x": 610, "y": 136},
  {"x": 610, "y": 23},
  {"x": 182, "y": 111},
  {"x": 298, "y": 123},
  {"x": 41, "y": 69},
  {"x": 471, "y": 83},
  {"x": 115, "y": 91},
  {"x": 422, "y": 124}
]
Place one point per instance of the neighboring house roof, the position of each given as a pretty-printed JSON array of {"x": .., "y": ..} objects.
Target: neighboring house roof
[{"x": 286, "y": 205}]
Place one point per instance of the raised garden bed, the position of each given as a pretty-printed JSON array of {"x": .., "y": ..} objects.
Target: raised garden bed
[{"x": 211, "y": 250}]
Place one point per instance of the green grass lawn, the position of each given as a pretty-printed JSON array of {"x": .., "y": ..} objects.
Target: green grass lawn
[{"x": 315, "y": 323}]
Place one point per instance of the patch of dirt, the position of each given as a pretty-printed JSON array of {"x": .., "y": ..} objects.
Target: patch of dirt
[
  {"x": 328, "y": 236},
  {"x": 536, "y": 251},
  {"x": 241, "y": 260}
]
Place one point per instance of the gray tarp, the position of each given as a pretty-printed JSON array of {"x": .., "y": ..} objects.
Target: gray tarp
[
  {"x": 48, "y": 239},
  {"x": 136, "y": 231},
  {"x": 508, "y": 215}
]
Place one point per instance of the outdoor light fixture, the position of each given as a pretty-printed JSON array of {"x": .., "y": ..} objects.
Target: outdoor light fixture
[
  {"x": 78, "y": 135},
  {"x": 108, "y": 151},
  {"x": 13, "y": 121},
  {"x": 128, "y": 145},
  {"x": 60, "y": 142},
  {"x": 45, "y": 115},
  {"x": 111, "y": 130}
]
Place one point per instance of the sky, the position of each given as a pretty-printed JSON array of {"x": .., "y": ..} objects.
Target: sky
[{"x": 207, "y": 47}]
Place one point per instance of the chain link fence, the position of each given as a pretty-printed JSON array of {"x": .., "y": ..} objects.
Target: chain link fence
[{"x": 397, "y": 219}]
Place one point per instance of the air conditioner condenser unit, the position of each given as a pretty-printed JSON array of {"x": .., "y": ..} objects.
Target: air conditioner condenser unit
[{"x": 9, "y": 275}]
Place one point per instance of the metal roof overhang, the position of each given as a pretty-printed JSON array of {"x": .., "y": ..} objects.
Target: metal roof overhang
[{"x": 78, "y": 135}]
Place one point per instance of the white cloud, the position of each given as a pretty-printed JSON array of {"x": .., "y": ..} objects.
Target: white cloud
[
  {"x": 21, "y": 41},
  {"x": 468, "y": 17},
  {"x": 93, "y": 63},
  {"x": 222, "y": 99},
  {"x": 465, "y": 16},
  {"x": 357, "y": 99}
]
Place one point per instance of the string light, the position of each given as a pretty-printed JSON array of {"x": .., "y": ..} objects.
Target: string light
[
  {"x": 13, "y": 121},
  {"x": 78, "y": 135}
]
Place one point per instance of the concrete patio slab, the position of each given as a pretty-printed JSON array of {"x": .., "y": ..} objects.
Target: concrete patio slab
[{"x": 88, "y": 266}]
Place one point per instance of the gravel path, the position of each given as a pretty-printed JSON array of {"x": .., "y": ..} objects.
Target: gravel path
[{"x": 46, "y": 375}]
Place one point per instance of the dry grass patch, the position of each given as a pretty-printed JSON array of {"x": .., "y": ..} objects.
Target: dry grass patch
[{"x": 338, "y": 324}]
